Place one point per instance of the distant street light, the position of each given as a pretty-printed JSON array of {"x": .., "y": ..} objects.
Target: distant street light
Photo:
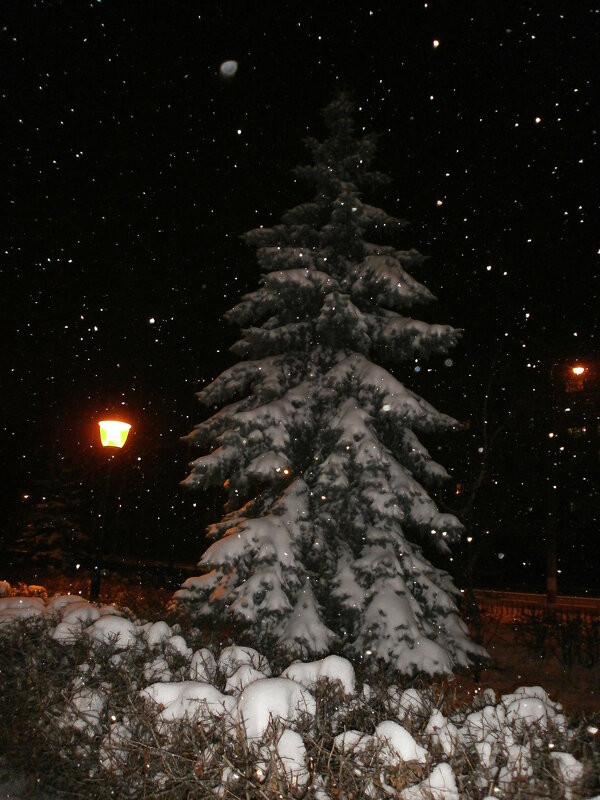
[
  {"x": 113, "y": 433},
  {"x": 575, "y": 378}
]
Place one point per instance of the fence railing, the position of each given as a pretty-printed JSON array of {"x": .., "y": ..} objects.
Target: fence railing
[{"x": 521, "y": 603}]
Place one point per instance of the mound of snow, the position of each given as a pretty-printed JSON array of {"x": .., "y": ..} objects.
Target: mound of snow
[
  {"x": 117, "y": 631},
  {"x": 332, "y": 668},
  {"x": 440, "y": 785},
  {"x": 397, "y": 744},
  {"x": 242, "y": 677},
  {"x": 203, "y": 666},
  {"x": 488, "y": 721},
  {"x": 157, "y": 670},
  {"x": 408, "y": 703},
  {"x": 19, "y": 608},
  {"x": 67, "y": 632},
  {"x": 85, "y": 709},
  {"x": 234, "y": 656},
  {"x": 10, "y": 603},
  {"x": 178, "y": 643},
  {"x": 570, "y": 771},
  {"x": 443, "y": 733},
  {"x": 394, "y": 743},
  {"x": 292, "y": 754},
  {"x": 188, "y": 699},
  {"x": 60, "y": 602},
  {"x": 157, "y": 633},
  {"x": 272, "y": 700},
  {"x": 82, "y": 612},
  {"x": 530, "y": 706},
  {"x": 352, "y": 741}
]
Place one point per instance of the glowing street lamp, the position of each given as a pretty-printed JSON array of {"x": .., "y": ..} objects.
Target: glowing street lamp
[
  {"x": 113, "y": 433},
  {"x": 577, "y": 370}
]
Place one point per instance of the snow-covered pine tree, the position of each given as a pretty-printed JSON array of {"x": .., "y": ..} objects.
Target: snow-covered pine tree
[{"x": 321, "y": 545}]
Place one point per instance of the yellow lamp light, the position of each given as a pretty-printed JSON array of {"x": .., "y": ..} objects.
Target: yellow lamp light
[
  {"x": 577, "y": 370},
  {"x": 113, "y": 433}
]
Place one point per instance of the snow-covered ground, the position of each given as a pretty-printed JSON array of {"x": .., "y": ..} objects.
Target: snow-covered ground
[{"x": 504, "y": 736}]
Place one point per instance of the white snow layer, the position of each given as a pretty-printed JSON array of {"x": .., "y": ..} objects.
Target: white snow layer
[
  {"x": 333, "y": 668},
  {"x": 440, "y": 785},
  {"x": 270, "y": 710},
  {"x": 118, "y": 631},
  {"x": 188, "y": 699},
  {"x": 398, "y": 745},
  {"x": 395, "y": 744},
  {"x": 272, "y": 701},
  {"x": 292, "y": 752}
]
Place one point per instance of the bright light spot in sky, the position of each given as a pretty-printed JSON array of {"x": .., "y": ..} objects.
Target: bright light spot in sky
[
  {"x": 436, "y": 42},
  {"x": 439, "y": 202},
  {"x": 228, "y": 68},
  {"x": 151, "y": 320},
  {"x": 538, "y": 119}
]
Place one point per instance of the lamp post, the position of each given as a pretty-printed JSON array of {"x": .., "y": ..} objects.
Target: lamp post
[
  {"x": 573, "y": 377},
  {"x": 113, "y": 434}
]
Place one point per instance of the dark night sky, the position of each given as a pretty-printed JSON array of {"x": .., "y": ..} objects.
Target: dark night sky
[{"x": 133, "y": 167}]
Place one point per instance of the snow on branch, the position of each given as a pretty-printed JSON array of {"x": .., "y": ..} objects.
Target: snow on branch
[
  {"x": 303, "y": 633},
  {"x": 382, "y": 280},
  {"x": 274, "y": 259},
  {"x": 258, "y": 342},
  {"x": 389, "y": 394},
  {"x": 268, "y": 376},
  {"x": 372, "y": 218}
]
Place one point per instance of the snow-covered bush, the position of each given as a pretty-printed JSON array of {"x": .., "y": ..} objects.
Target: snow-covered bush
[{"x": 92, "y": 710}]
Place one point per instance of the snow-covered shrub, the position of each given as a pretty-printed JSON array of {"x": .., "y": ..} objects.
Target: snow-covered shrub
[{"x": 93, "y": 714}]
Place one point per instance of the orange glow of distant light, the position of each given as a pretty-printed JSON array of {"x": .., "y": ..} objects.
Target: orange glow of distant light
[
  {"x": 577, "y": 370},
  {"x": 113, "y": 433}
]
